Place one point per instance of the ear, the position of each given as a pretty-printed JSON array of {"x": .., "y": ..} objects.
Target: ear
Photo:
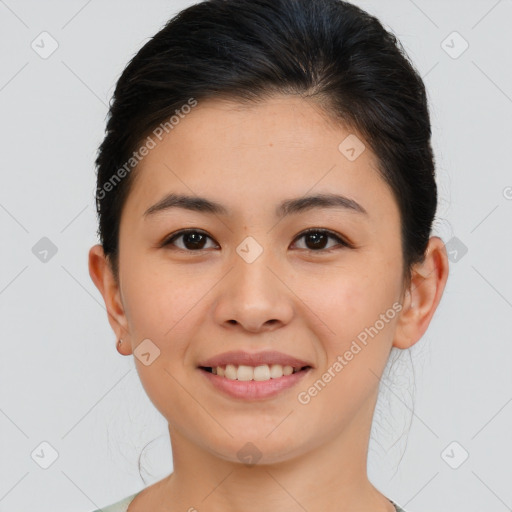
[
  {"x": 428, "y": 280},
  {"x": 101, "y": 273}
]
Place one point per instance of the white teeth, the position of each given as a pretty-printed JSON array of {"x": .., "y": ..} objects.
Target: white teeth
[
  {"x": 276, "y": 371},
  {"x": 244, "y": 373},
  {"x": 258, "y": 373},
  {"x": 262, "y": 372},
  {"x": 287, "y": 370},
  {"x": 230, "y": 371}
]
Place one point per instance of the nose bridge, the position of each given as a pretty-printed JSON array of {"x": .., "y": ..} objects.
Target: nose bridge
[{"x": 252, "y": 295}]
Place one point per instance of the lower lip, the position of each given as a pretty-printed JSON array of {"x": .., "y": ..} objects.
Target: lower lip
[{"x": 253, "y": 389}]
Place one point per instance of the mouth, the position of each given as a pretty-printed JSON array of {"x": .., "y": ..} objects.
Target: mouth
[
  {"x": 253, "y": 383},
  {"x": 260, "y": 373}
]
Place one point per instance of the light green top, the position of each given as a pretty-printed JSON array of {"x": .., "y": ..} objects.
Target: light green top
[{"x": 122, "y": 506}]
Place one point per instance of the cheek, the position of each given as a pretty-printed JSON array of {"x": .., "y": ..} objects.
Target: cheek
[
  {"x": 161, "y": 309},
  {"x": 352, "y": 301},
  {"x": 158, "y": 303}
]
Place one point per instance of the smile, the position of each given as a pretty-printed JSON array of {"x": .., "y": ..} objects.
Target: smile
[{"x": 253, "y": 382}]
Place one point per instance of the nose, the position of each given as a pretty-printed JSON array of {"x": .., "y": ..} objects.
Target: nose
[{"x": 253, "y": 296}]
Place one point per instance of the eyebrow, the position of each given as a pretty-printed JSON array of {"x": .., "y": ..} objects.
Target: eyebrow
[{"x": 287, "y": 207}]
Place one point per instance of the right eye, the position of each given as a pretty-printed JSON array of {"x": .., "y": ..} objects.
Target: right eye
[{"x": 193, "y": 240}]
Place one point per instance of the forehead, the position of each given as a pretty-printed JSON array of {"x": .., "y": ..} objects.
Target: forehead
[
  {"x": 243, "y": 154},
  {"x": 286, "y": 123}
]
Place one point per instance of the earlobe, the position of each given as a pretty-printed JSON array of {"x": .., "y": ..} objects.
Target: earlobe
[
  {"x": 102, "y": 276},
  {"x": 428, "y": 280}
]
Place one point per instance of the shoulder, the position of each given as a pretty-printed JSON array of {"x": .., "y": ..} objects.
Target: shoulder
[{"x": 120, "y": 506}]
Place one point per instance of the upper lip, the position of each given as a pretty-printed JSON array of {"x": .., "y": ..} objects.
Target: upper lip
[{"x": 238, "y": 357}]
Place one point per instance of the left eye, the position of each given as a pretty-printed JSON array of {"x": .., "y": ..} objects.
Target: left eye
[{"x": 194, "y": 240}]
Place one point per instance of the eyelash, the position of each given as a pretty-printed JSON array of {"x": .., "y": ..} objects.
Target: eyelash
[{"x": 341, "y": 242}]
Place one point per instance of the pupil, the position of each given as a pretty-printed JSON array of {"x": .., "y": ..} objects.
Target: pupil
[
  {"x": 195, "y": 237},
  {"x": 318, "y": 240}
]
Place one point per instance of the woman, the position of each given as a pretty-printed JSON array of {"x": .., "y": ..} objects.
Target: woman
[{"x": 266, "y": 192}]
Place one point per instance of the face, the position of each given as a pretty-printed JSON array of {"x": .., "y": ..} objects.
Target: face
[{"x": 246, "y": 277}]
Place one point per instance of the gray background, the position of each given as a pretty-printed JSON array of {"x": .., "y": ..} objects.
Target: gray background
[{"x": 62, "y": 382}]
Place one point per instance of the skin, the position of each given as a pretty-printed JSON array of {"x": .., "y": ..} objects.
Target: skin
[{"x": 306, "y": 302}]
